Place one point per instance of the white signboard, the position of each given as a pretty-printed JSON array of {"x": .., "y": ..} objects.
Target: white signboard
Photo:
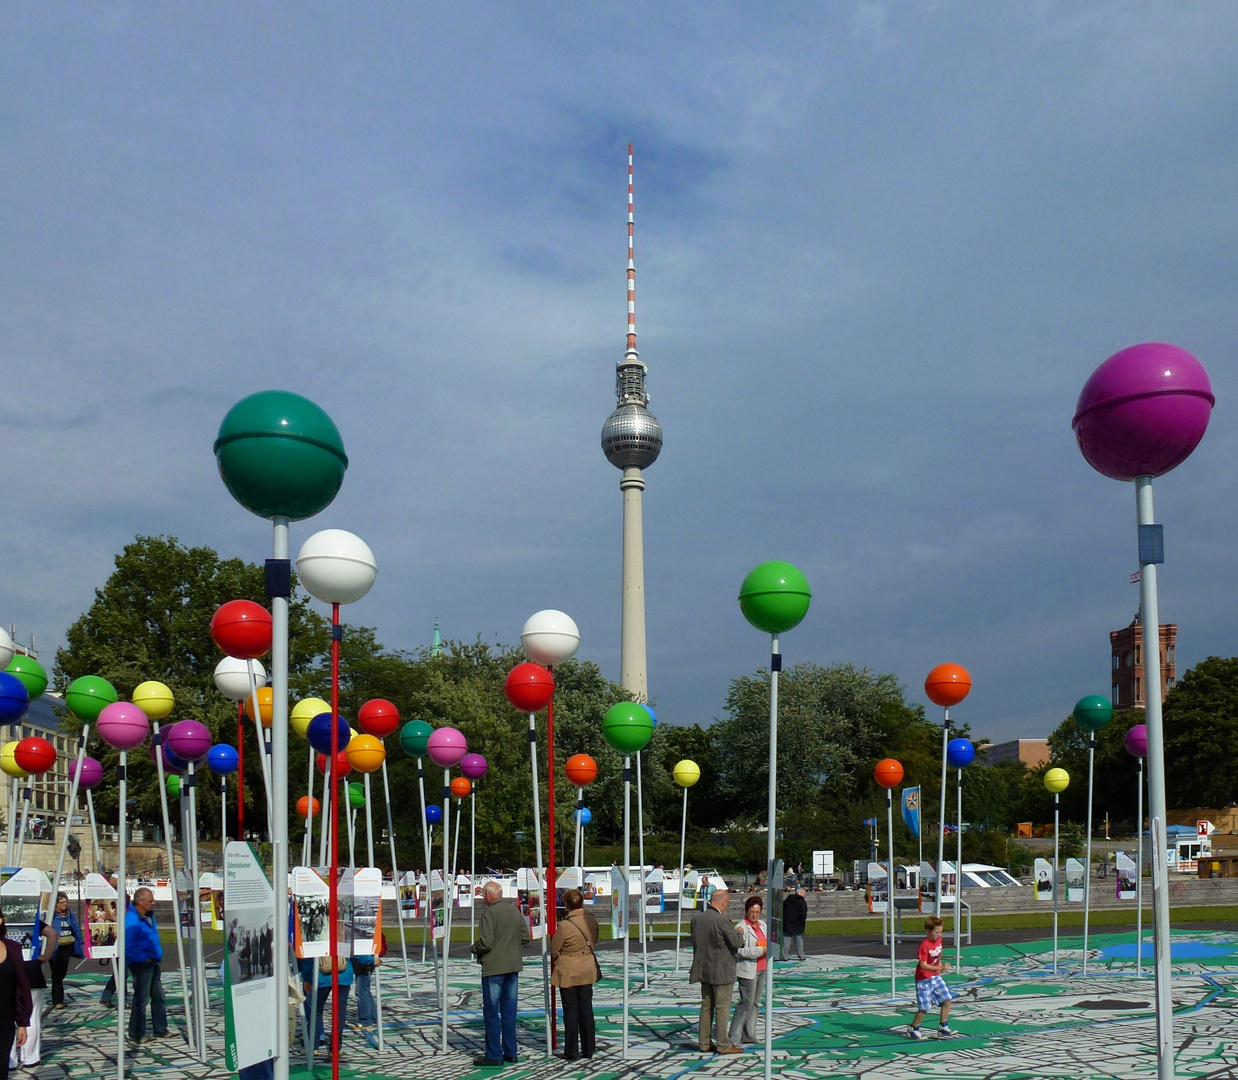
[
  {"x": 1075, "y": 880},
  {"x": 250, "y": 1015},
  {"x": 688, "y": 890},
  {"x": 618, "y": 903},
  {"x": 822, "y": 863},
  {"x": 1128, "y": 876},
  {"x": 25, "y": 895},
  {"x": 311, "y": 909},
  {"x": 948, "y": 876},
  {"x": 878, "y": 888},
  {"x": 655, "y": 898},
  {"x": 366, "y": 911},
  {"x": 99, "y": 933},
  {"x": 928, "y": 886},
  {"x": 1043, "y": 872}
]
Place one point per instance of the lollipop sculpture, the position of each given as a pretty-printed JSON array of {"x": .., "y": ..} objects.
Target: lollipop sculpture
[
  {"x": 959, "y": 754},
  {"x": 299, "y": 720},
  {"x": 581, "y": 770},
  {"x": 889, "y": 774},
  {"x": 473, "y": 767},
  {"x": 686, "y": 773},
  {"x": 1092, "y": 713},
  {"x": 1056, "y": 781},
  {"x": 446, "y": 747},
  {"x": 237, "y": 680},
  {"x": 946, "y": 685}
]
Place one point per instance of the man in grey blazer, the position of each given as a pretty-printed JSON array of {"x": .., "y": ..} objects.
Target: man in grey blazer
[
  {"x": 501, "y": 931},
  {"x": 715, "y": 945}
]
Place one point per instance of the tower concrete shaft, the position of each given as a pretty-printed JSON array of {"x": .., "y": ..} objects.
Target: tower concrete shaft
[{"x": 632, "y": 655}]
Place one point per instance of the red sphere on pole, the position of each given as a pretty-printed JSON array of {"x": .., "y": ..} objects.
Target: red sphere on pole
[
  {"x": 529, "y": 687},
  {"x": 888, "y": 773},
  {"x": 342, "y": 766},
  {"x": 378, "y": 717},
  {"x": 947, "y": 684},
  {"x": 581, "y": 770},
  {"x": 242, "y": 629},
  {"x": 35, "y": 755}
]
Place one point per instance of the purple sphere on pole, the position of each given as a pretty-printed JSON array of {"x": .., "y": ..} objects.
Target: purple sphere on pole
[
  {"x": 122, "y": 725},
  {"x": 189, "y": 740},
  {"x": 473, "y": 766},
  {"x": 1143, "y": 411},
  {"x": 446, "y": 746},
  {"x": 92, "y": 773},
  {"x": 1137, "y": 741}
]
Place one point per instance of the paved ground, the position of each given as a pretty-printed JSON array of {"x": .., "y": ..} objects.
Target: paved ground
[{"x": 834, "y": 1018}]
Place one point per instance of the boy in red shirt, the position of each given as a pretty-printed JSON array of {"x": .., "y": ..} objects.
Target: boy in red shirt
[{"x": 931, "y": 989}]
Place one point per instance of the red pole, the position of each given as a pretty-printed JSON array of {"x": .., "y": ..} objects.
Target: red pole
[
  {"x": 240, "y": 771},
  {"x": 552, "y": 904},
  {"x": 333, "y": 907}
]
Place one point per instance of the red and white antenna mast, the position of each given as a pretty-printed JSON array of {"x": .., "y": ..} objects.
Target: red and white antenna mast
[{"x": 631, "y": 354}]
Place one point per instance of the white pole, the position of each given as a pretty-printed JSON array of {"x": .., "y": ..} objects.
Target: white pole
[
  {"x": 64, "y": 836},
  {"x": 775, "y": 666},
  {"x": 626, "y": 902},
  {"x": 941, "y": 826},
  {"x": 369, "y": 822},
  {"x": 447, "y": 887},
  {"x": 261, "y": 740},
  {"x": 541, "y": 883},
  {"x": 473, "y": 867},
  {"x": 890, "y": 888},
  {"x": 25, "y": 815},
  {"x": 958, "y": 875},
  {"x": 223, "y": 816},
  {"x": 1087, "y": 859},
  {"x": 1139, "y": 874},
  {"x": 192, "y": 838},
  {"x": 425, "y": 839},
  {"x": 307, "y": 845},
  {"x": 1056, "y": 839},
  {"x": 327, "y": 824},
  {"x": 121, "y": 915},
  {"x": 683, "y": 837},
  {"x": 395, "y": 877},
  {"x": 278, "y": 795},
  {"x": 94, "y": 830},
  {"x": 640, "y": 897}
]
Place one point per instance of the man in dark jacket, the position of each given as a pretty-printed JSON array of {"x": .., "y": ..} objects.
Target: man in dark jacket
[
  {"x": 501, "y": 932},
  {"x": 715, "y": 945},
  {"x": 143, "y": 954},
  {"x": 794, "y": 921}
]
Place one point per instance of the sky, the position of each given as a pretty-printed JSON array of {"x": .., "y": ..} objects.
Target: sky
[{"x": 879, "y": 250}]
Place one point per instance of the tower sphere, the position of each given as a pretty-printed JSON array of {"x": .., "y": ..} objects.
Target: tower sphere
[{"x": 631, "y": 437}]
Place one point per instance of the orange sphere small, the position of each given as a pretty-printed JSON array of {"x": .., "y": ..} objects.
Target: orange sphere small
[
  {"x": 266, "y": 705},
  {"x": 462, "y": 787},
  {"x": 307, "y": 807},
  {"x": 581, "y": 770},
  {"x": 947, "y": 684},
  {"x": 888, "y": 773}
]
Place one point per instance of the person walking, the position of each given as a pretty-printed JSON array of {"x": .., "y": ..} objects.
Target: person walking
[
  {"x": 68, "y": 946},
  {"x": 42, "y": 949},
  {"x": 363, "y": 975},
  {"x": 576, "y": 969},
  {"x": 15, "y": 1003},
  {"x": 794, "y": 922},
  {"x": 344, "y": 978},
  {"x": 750, "y": 972},
  {"x": 501, "y": 934},
  {"x": 715, "y": 945},
  {"x": 143, "y": 955}
]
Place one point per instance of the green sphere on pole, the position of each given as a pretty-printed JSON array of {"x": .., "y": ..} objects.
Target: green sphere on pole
[
  {"x": 30, "y": 673},
  {"x": 1093, "y": 712},
  {"x": 356, "y": 796},
  {"x": 414, "y": 736},
  {"x": 774, "y": 597},
  {"x": 88, "y": 696},
  {"x": 280, "y": 455},
  {"x": 627, "y": 727}
]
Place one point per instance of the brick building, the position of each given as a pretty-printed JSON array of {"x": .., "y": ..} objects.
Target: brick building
[{"x": 1127, "y": 659}]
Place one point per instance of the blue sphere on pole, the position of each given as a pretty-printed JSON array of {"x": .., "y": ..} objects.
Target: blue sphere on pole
[
  {"x": 584, "y": 815},
  {"x": 960, "y": 753},
  {"x": 14, "y": 700},
  {"x": 222, "y": 759},
  {"x": 434, "y": 813},
  {"x": 319, "y": 732},
  {"x": 652, "y": 715}
]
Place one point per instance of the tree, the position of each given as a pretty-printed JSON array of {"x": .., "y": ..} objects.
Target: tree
[{"x": 1201, "y": 736}]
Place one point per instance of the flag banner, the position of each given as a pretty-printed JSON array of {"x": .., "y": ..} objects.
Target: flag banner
[
  {"x": 1128, "y": 876},
  {"x": 1043, "y": 871},
  {"x": 1074, "y": 881},
  {"x": 878, "y": 888},
  {"x": 911, "y": 809}
]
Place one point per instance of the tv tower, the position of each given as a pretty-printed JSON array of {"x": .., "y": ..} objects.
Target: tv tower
[{"x": 631, "y": 441}]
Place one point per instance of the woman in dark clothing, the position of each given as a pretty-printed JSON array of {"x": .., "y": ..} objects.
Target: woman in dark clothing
[
  {"x": 68, "y": 945},
  {"x": 575, "y": 971},
  {"x": 14, "y": 999}
]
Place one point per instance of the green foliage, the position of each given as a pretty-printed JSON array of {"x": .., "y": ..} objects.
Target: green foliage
[{"x": 1201, "y": 736}]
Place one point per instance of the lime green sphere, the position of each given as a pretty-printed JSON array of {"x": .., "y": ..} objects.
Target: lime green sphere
[
  {"x": 627, "y": 727},
  {"x": 1057, "y": 781},
  {"x": 774, "y": 597},
  {"x": 31, "y": 674},
  {"x": 356, "y": 796},
  {"x": 173, "y": 784},
  {"x": 280, "y": 455},
  {"x": 88, "y": 696},
  {"x": 1093, "y": 712}
]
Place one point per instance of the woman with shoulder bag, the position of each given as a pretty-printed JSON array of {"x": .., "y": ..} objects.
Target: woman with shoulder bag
[
  {"x": 576, "y": 969},
  {"x": 68, "y": 946},
  {"x": 344, "y": 974}
]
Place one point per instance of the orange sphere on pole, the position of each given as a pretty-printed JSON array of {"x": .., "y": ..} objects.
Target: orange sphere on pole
[
  {"x": 462, "y": 787},
  {"x": 365, "y": 753},
  {"x": 581, "y": 770},
  {"x": 266, "y": 705},
  {"x": 307, "y": 807},
  {"x": 888, "y": 773},
  {"x": 947, "y": 684}
]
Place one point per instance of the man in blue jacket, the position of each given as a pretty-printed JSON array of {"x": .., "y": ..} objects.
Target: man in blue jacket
[{"x": 143, "y": 954}]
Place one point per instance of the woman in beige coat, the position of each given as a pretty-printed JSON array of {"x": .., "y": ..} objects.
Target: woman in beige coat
[{"x": 575, "y": 971}]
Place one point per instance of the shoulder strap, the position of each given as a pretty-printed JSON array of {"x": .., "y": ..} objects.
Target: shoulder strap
[{"x": 578, "y": 930}]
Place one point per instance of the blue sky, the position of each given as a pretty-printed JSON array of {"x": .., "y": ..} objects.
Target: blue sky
[{"x": 880, "y": 248}]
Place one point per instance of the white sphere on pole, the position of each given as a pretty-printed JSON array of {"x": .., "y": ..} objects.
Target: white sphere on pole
[
  {"x": 232, "y": 677},
  {"x": 7, "y": 652},
  {"x": 550, "y": 638},
  {"x": 336, "y": 566}
]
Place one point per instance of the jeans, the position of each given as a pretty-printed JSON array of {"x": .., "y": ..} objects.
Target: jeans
[
  {"x": 324, "y": 996},
  {"x": 578, "y": 1027},
  {"x": 498, "y": 999},
  {"x": 715, "y": 1007},
  {"x": 367, "y": 1014},
  {"x": 744, "y": 1022},
  {"x": 147, "y": 985},
  {"x": 794, "y": 943}
]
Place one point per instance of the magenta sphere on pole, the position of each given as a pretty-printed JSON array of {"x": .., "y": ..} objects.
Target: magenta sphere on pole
[
  {"x": 91, "y": 774},
  {"x": 473, "y": 766},
  {"x": 1143, "y": 411},
  {"x": 122, "y": 725},
  {"x": 1137, "y": 741},
  {"x": 189, "y": 740},
  {"x": 447, "y": 746}
]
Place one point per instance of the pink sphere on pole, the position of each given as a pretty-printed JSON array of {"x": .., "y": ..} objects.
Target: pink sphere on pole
[
  {"x": 1143, "y": 411},
  {"x": 123, "y": 725},
  {"x": 91, "y": 774},
  {"x": 189, "y": 740},
  {"x": 1137, "y": 741},
  {"x": 447, "y": 746},
  {"x": 473, "y": 766}
]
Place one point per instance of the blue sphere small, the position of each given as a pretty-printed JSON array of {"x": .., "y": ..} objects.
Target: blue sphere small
[
  {"x": 434, "y": 813},
  {"x": 584, "y": 815},
  {"x": 223, "y": 759},
  {"x": 14, "y": 700},
  {"x": 319, "y": 732},
  {"x": 960, "y": 753},
  {"x": 652, "y": 715}
]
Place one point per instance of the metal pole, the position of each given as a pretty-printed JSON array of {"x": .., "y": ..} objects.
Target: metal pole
[
  {"x": 324, "y": 826},
  {"x": 1056, "y": 840},
  {"x": 1150, "y": 617},
  {"x": 448, "y": 887},
  {"x": 1139, "y": 874},
  {"x": 94, "y": 830},
  {"x": 890, "y": 889},
  {"x": 64, "y": 836},
  {"x": 223, "y": 817},
  {"x": 473, "y": 867},
  {"x": 369, "y": 822},
  {"x": 541, "y": 879},
  {"x": 425, "y": 840},
  {"x": 10, "y": 846},
  {"x": 395, "y": 877},
  {"x": 626, "y": 902},
  {"x": 550, "y": 913},
  {"x": 279, "y": 793},
  {"x": 240, "y": 771},
  {"x": 307, "y": 845},
  {"x": 21, "y": 830},
  {"x": 261, "y": 740},
  {"x": 337, "y": 783},
  {"x": 775, "y": 666},
  {"x": 122, "y": 905},
  {"x": 958, "y": 874},
  {"x": 1087, "y": 858},
  {"x": 191, "y": 781},
  {"x": 683, "y": 837},
  {"x": 941, "y": 825},
  {"x": 640, "y": 897}
]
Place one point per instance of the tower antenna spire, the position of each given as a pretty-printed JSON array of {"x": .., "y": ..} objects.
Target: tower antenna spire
[{"x": 631, "y": 353}]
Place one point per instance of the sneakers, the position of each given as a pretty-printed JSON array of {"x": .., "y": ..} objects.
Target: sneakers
[
  {"x": 945, "y": 1031},
  {"x": 915, "y": 1033}
]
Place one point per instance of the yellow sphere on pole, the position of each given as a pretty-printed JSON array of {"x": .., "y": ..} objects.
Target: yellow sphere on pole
[
  {"x": 1057, "y": 781},
  {"x": 366, "y": 753},
  {"x": 154, "y": 699},
  {"x": 686, "y": 773},
  {"x": 8, "y": 762},
  {"x": 266, "y": 705},
  {"x": 304, "y": 711}
]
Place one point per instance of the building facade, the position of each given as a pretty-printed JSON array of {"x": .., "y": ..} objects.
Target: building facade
[
  {"x": 1127, "y": 659},
  {"x": 1032, "y": 752}
]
